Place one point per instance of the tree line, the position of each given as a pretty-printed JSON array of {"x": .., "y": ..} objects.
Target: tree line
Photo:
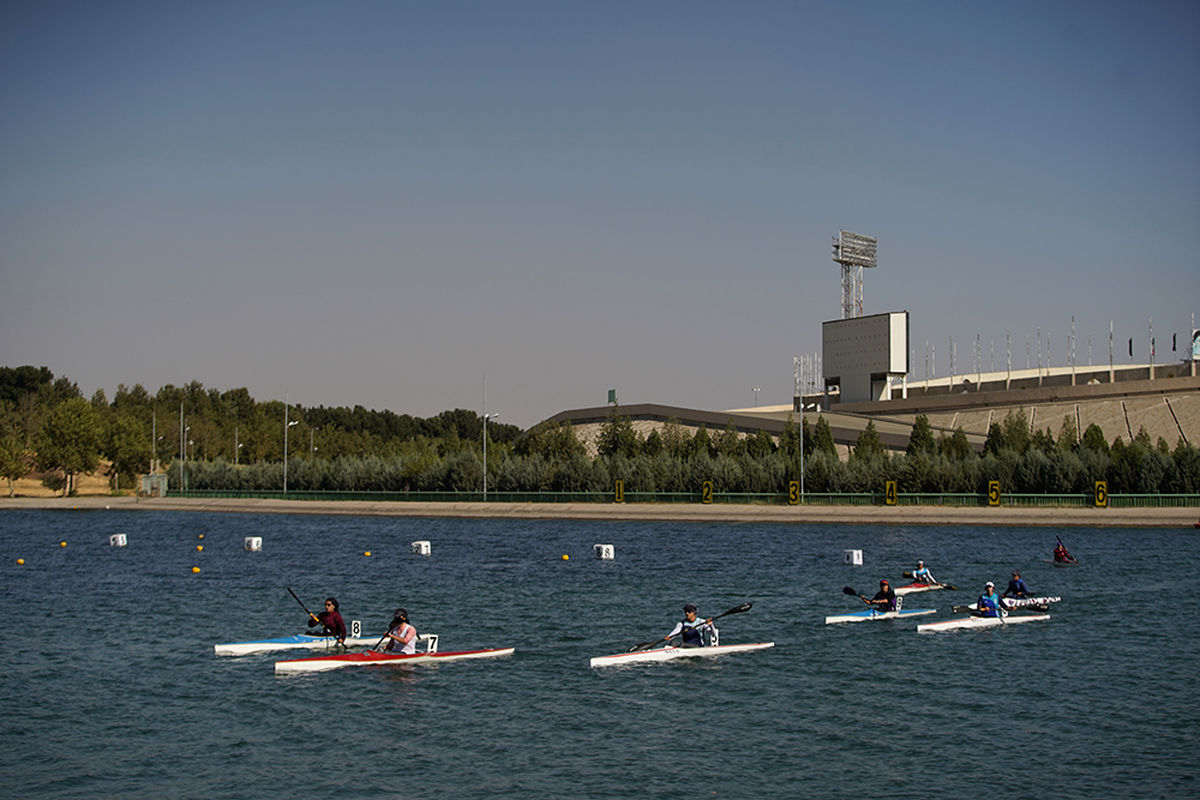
[{"x": 232, "y": 442}]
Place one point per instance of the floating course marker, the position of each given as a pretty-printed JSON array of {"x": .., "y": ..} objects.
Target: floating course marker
[
  {"x": 252, "y": 544},
  {"x": 604, "y": 551},
  {"x": 852, "y": 557},
  {"x": 421, "y": 547},
  {"x": 117, "y": 540}
]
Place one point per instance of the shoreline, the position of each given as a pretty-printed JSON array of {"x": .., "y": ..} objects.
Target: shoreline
[{"x": 831, "y": 515}]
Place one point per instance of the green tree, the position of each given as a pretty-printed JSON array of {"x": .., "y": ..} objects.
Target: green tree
[
  {"x": 70, "y": 441},
  {"x": 921, "y": 438},
  {"x": 14, "y": 459},
  {"x": 1016, "y": 431},
  {"x": 822, "y": 439},
  {"x": 956, "y": 447},
  {"x": 1093, "y": 439},
  {"x": 127, "y": 447},
  {"x": 1068, "y": 434},
  {"x": 868, "y": 447},
  {"x": 617, "y": 436}
]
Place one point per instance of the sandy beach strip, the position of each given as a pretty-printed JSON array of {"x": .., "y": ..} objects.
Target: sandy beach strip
[{"x": 826, "y": 515}]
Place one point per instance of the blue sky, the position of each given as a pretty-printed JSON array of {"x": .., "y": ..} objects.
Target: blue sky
[{"x": 383, "y": 203}]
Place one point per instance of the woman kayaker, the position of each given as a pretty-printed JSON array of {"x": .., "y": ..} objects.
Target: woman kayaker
[
  {"x": 990, "y": 604},
  {"x": 401, "y": 634},
  {"x": 1061, "y": 555},
  {"x": 330, "y": 620},
  {"x": 692, "y": 629},
  {"x": 885, "y": 598},
  {"x": 1016, "y": 586},
  {"x": 922, "y": 574}
]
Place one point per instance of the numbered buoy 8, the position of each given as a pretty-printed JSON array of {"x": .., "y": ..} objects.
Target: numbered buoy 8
[
  {"x": 420, "y": 547},
  {"x": 252, "y": 543},
  {"x": 604, "y": 551}
]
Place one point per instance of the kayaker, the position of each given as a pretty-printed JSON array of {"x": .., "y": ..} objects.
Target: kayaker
[
  {"x": 1016, "y": 586},
  {"x": 990, "y": 604},
  {"x": 922, "y": 574},
  {"x": 692, "y": 629},
  {"x": 885, "y": 598},
  {"x": 401, "y": 634},
  {"x": 330, "y": 620},
  {"x": 1061, "y": 555}
]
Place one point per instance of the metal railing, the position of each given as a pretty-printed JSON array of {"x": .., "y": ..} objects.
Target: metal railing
[{"x": 947, "y": 499}]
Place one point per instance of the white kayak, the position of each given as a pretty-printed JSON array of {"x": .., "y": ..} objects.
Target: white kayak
[
  {"x": 872, "y": 614},
  {"x": 301, "y": 641},
  {"x": 979, "y": 622},
  {"x": 371, "y": 658},
  {"x": 671, "y": 653},
  {"x": 1017, "y": 602}
]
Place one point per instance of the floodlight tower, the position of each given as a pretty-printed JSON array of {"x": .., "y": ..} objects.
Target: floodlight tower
[{"x": 853, "y": 251}]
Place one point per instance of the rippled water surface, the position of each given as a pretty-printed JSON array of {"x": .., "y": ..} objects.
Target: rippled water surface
[{"x": 110, "y": 687}]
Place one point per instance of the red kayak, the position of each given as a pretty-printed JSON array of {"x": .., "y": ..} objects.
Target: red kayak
[{"x": 368, "y": 658}]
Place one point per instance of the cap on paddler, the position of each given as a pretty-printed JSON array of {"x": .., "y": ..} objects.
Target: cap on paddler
[
  {"x": 989, "y": 583},
  {"x": 884, "y": 582}
]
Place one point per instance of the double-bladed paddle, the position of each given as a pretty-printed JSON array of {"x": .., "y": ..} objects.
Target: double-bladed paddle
[
  {"x": 301, "y": 602},
  {"x": 648, "y": 645},
  {"x": 852, "y": 593}
]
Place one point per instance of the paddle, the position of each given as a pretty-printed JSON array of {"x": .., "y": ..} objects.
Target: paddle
[
  {"x": 852, "y": 593},
  {"x": 391, "y": 625},
  {"x": 301, "y": 602},
  {"x": 648, "y": 645}
]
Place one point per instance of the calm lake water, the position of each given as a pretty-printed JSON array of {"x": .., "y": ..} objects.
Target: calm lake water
[{"x": 110, "y": 687}]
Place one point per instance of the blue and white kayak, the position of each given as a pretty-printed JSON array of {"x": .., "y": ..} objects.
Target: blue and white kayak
[
  {"x": 301, "y": 641},
  {"x": 872, "y": 614}
]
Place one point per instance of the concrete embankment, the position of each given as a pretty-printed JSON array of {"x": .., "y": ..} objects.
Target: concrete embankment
[{"x": 828, "y": 515}]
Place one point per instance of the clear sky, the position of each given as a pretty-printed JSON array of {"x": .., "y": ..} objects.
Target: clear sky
[{"x": 381, "y": 203}]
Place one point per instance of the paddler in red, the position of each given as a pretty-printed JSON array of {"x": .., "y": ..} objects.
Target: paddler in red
[
  {"x": 885, "y": 598},
  {"x": 330, "y": 620}
]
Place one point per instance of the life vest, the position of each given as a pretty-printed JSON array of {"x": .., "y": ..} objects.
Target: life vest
[{"x": 691, "y": 633}]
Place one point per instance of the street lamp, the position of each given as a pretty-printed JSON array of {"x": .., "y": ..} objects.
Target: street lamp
[
  {"x": 486, "y": 417},
  {"x": 756, "y": 391},
  {"x": 285, "y": 438}
]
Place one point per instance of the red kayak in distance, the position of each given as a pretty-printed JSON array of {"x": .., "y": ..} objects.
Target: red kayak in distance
[{"x": 369, "y": 658}]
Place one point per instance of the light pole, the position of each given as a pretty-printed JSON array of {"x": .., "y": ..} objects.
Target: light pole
[
  {"x": 486, "y": 417},
  {"x": 312, "y": 449},
  {"x": 286, "y": 425},
  {"x": 756, "y": 391}
]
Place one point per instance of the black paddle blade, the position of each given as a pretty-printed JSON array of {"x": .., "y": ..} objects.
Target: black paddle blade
[
  {"x": 736, "y": 610},
  {"x": 951, "y": 587},
  {"x": 643, "y": 646},
  {"x": 849, "y": 591}
]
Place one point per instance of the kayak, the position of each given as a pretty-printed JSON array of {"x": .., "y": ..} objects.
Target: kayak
[
  {"x": 911, "y": 588},
  {"x": 1060, "y": 563},
  {"x": 301, "y": 641},
  {"x": 671, "y": 653},
  {"x": 1017, "y": 602},
  {"x": 871, "y": 614},
  {"x": 979, "y": 622},
  {"x": 371, "y": 658}
]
